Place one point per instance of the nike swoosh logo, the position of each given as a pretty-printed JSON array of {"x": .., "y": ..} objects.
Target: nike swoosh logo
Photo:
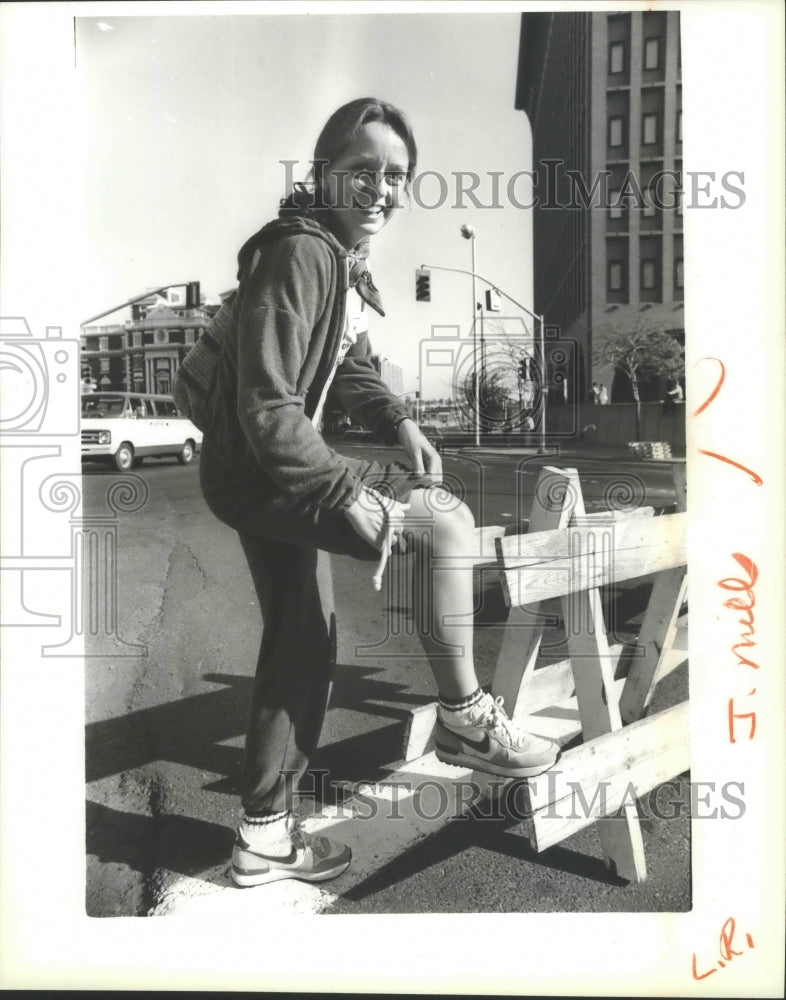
[
  {"x": 482, "y": 746},
  {"x": 275, "y": 859}
]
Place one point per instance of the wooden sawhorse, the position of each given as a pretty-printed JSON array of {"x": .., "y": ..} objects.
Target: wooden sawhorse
[{"x": 601, "y": 692}]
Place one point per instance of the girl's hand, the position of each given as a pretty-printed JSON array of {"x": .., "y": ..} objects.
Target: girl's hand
[
  {"x": 376, "y": 518},
  {"x": 419, "y": 450}
]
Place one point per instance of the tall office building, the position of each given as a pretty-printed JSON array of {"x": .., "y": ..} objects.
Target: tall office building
[
  {"x": 390, "y": 371},
  {"x": 602, "y": 92}
]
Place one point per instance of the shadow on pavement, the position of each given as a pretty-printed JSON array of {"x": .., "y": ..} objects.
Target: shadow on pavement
[
  {"x": 192, "y": 731},
  {"x": 146, "y": 844},
  {"x": 471, "y": 833}
]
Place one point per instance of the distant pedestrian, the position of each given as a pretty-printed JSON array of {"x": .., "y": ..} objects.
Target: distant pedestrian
[
  {"x": 595, "y": 392},
  {"x": 298, "y": 328},
  {"x": 674, "y": 395},
  {"x": 603, "y": 395}
]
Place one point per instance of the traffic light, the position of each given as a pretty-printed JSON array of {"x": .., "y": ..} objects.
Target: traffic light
[
  {"x": 193, "y": 298},
  {"x": 422, "y": 285}
]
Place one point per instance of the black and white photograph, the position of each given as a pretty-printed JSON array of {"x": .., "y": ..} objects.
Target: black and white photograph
[{"x": 392, "y": 438}]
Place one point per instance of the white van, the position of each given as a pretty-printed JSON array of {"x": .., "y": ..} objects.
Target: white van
[{"x": 123, "y": 428}]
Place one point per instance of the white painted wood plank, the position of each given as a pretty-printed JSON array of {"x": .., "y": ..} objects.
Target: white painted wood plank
[
  {"x": 522, "y": 638},
  {"x": 595, "y": 779},
  {"x": 656, "y": 637},
  {"x": 553, "y": 563}
]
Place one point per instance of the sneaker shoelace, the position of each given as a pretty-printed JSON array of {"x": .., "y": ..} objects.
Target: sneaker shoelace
[
  {"x": 301, "y": 841},
  {"x": 498, "y": 718}
]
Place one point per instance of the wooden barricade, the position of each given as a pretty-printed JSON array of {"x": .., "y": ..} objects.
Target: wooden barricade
[{"x": 601, "y": 692}]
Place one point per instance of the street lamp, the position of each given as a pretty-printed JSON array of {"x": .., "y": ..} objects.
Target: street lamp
[
  {"x": 469, "y": 234},
  {"x": 539, "y": 319}
]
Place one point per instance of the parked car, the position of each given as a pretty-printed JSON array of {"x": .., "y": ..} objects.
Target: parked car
[
  {"x": 123, "y": 428},
  {"x": 358, "y": 434}
]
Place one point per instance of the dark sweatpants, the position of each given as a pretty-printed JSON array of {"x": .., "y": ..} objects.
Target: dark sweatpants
[{"x": 286, "y": 546}]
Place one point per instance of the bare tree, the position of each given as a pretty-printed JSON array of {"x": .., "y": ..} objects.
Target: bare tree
[
  {"x": 496, "y": 398},
  {"x": 640, "y": 350}
]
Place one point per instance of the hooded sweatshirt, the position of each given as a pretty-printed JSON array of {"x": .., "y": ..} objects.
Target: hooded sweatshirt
[{"x": 287, "y": 323}]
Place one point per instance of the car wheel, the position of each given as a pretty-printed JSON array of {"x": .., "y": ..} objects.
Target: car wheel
[
  {"x": 187, "y": 453},
  {"x": 124, "y": 457}
]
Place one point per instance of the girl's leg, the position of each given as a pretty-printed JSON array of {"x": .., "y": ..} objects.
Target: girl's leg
[
  {"x": 440, "y": 527},
  {"x": 472, "y": 729},
  {"x": 294, "y": 670}
]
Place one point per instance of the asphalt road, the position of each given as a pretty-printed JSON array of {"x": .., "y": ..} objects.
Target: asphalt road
[{"x": 165, "y": 730}]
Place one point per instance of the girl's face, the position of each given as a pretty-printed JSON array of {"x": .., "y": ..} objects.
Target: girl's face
[{"x": 365, "y": 182}]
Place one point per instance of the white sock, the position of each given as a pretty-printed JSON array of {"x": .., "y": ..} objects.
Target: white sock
[
  {"x": 267, "y": 833},
  {"x": 462, "y": 710}
]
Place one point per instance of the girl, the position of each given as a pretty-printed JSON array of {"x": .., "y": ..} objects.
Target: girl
[{"x": 298, "y": 329}]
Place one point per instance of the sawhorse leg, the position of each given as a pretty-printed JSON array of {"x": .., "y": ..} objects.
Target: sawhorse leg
[{"x": 593, "y": 673}]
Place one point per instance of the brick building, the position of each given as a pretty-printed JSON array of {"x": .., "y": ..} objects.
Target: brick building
[{"x": 143, "y": 353}]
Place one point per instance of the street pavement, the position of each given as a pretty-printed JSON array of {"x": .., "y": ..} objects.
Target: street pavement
[{"x": 165, "y": 731}]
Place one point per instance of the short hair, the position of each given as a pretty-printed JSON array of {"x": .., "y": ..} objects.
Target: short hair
[
  {"x": 345, "y": 123},
  {"x": 338, "y": 132}
]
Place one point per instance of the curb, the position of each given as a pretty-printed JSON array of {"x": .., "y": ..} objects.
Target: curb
[{"x": 617, "y": 456}]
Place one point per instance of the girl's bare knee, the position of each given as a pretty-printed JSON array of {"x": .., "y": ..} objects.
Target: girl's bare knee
[
  {"x": 450, "y": 521},
  {"x": 454, "y": 527}
]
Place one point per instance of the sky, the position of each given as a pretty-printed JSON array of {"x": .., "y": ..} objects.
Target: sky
[{"x": 186, "y": 121}]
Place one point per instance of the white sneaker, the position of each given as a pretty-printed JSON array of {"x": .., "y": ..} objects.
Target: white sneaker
[
  {"x": 484, "y": 738},
  {"x": 296, "y": 854}
]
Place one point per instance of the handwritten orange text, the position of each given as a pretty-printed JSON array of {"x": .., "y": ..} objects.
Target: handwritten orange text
[
  {"x": 726, "y": 950},
  {"x": 744, "y": 602},
  {"x": 714, "y": 454}
]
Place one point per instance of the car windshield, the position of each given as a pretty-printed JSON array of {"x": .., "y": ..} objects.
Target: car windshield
[{"x": 96, "y": 405}]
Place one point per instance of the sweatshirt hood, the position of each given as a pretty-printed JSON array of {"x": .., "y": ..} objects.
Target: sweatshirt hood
[
  {"x": 290, "y": 221},
  {"x": 295, "y": 217}
]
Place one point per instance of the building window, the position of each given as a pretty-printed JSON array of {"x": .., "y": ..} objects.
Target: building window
[
  {"x": 650, "y": 211},
  {"x": 651, "y": 53},
  {"x": 617, "y": 57},
  {"x": 616, "y": 208},
  {"x": 679, "y": 126},
  {"x": 649, "y": 129},
  {"x": 678, "y": 274},
  {"x": 649, "y": 275},
  {"x": 616, "y": 276},
  {"x": 678, "y": 200},
  {"x": 616, "y": 131},
  {"x": 103, "y": 343}
]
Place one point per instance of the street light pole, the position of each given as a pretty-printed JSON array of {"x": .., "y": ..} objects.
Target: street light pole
[
  {"x": 539, "y": 319},
  {"x": 544, "y": 389},
  {"x": 469, "y": 234}
]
